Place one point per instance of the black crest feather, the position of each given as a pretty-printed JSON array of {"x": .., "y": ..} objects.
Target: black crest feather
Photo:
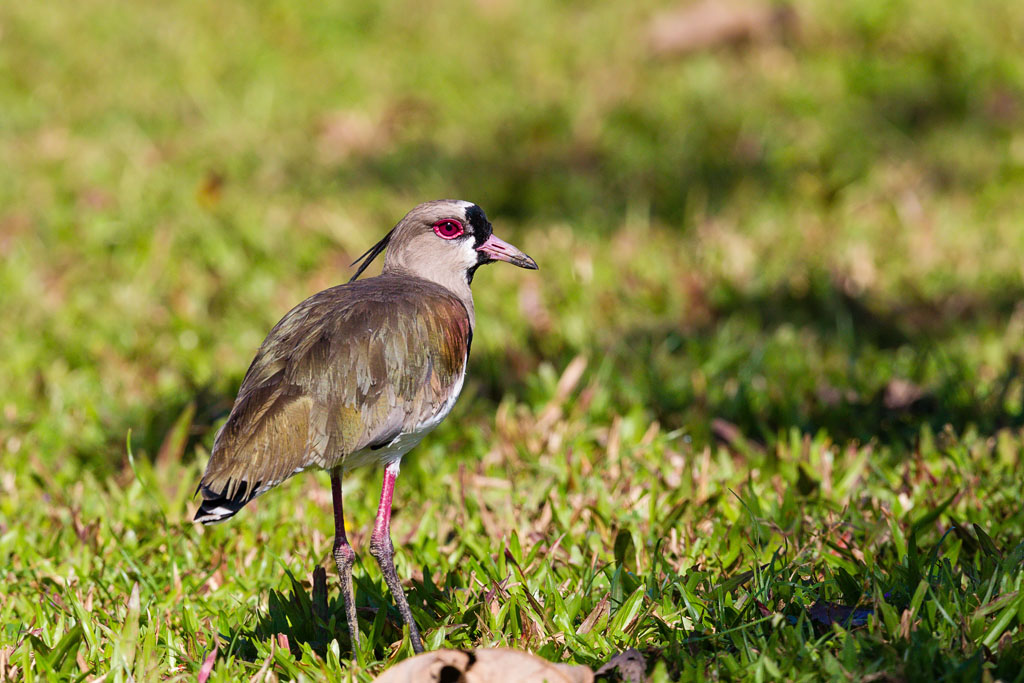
[{"x": 370, "y": 254}]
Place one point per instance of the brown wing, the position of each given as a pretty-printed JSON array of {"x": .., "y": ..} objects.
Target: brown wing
[{"x": 349, "y": 368}]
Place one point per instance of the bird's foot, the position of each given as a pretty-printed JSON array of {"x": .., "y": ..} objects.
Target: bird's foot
[
  {"x": 345, "y": 557},
  {"x": 384, "y": 552}
]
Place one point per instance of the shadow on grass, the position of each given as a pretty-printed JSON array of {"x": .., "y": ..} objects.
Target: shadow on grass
[
  {"x": 827, "y": 305},
  {"x": 306, "y": 618},
  {"x": 858, "y": 369},
  {"x": 302, "y": 617}
]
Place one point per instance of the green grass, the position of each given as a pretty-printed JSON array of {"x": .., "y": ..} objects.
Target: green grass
[{"x": 790, "y": 273}]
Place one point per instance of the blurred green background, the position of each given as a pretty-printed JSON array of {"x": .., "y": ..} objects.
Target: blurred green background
[
  {"x": 812, "y": 211},
  {"x": 807, "y": 221}
]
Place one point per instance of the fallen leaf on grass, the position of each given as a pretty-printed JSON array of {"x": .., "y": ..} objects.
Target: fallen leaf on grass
[
  {"x": 350, "y": 133},
  {"x": 210, "y": 189},
  {"x": 629, "y": 664},
  {"x": 901, "y": 394},
  {"x": 708, "y": 24},
  {"x": 207, "y": 668},
  {"x": 733, "y": 436},
  {"x": 595, "y": 614},
  {"x": 476, "y": 666}
]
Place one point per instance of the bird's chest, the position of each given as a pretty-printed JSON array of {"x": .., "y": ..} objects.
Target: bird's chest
[{"x": 409, "y": 439}]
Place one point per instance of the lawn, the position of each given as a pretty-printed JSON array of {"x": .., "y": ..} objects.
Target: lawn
[{"x": 759, "y": 415}]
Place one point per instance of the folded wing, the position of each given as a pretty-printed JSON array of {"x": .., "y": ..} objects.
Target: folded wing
[{"x": 350, "y": 368}]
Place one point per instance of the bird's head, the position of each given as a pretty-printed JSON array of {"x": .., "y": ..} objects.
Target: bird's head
[{"x": 444, "y": 241}]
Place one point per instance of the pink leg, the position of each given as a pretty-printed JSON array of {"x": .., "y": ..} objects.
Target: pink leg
[
  {"x": 382, "y": 549},
  {"x": 382, "y": 527}
]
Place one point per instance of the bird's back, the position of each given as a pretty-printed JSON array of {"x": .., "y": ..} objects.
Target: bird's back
[{"x": 358, "y": 371}]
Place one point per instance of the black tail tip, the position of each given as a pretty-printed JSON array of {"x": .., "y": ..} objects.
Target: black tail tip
[
  {"x": 219, "y": 507},
  {"x": 215, "y": 511}
]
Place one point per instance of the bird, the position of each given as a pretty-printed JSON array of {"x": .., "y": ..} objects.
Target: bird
[{"x": 357, "y": 375}]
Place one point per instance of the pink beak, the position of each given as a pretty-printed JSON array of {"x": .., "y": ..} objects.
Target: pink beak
[{"x": 500, "y": 250}]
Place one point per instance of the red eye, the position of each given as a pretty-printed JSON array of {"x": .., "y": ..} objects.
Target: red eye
[{"x": 448, "y": 229}]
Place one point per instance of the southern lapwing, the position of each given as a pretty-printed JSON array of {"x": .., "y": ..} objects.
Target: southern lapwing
[{"x": 357, "y": 375}]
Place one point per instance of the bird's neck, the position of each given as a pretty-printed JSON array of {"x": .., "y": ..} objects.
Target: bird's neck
[{"x": 453, "y": 281}]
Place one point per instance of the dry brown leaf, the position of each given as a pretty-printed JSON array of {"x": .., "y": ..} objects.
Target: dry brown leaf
[
  {"x": 733, "y": 435},
  {"x": 531, "y": 304},
  {"x": 349, "y": 133},
  {"x": 630, "y": 665},
  {"x": 595, "y": 614},
  {"x": 901, "y": 394},
  {"x": 207, "y": 668},
  {"x": 704, "y": 25},
  {"x": 210, "y": 189},
  {"x": 476, "y": 666}
]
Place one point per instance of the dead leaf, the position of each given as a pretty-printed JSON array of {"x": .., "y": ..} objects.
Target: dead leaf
[
  {"x": 704, "y": 25},
  {"x": 906, "y": 624},
  {"x": 1003, "y": 106},
  {"x": 210, "y": 189},
  {"x": 630, "y": 665},
  {"x": 733, "y": 436},
  {"x": 264, "y": 673},
  {"x": 349, "y": 133},
  {"x": 531, "y": 304},
  {"x": 901, "y": 394},
  {"x": 207, "y": 668},
  {"x": 595, "y": 614},
  {"x": 12, "y": 226},
  {"x": 566, "y": 383},
  {"x": 497, "y": 665},
  {"x": 95, "y": 198}
]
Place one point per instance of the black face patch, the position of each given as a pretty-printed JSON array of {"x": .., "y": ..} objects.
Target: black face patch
[{"x": 481, "y": 226}]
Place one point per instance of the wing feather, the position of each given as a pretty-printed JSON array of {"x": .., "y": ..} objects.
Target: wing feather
[{"x": 347, "y": 369}]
